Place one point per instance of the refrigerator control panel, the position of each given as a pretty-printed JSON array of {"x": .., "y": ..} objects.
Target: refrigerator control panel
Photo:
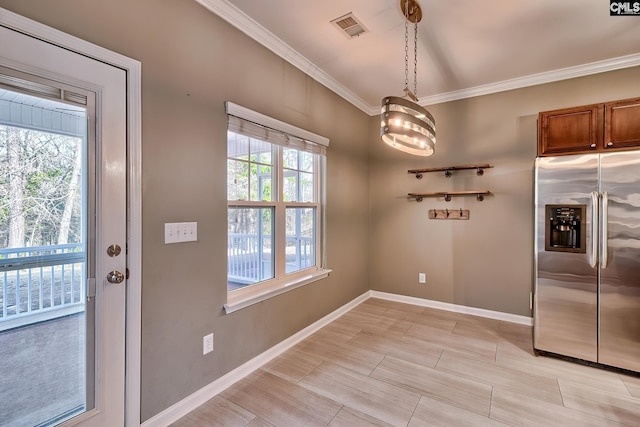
[{"x": 565, "y": 228}]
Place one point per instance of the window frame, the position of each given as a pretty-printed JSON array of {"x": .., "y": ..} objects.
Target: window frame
[{"x": 283, "y": 281}]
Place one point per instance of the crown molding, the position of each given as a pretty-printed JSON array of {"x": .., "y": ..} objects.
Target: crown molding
[
  {"x": 535, "y": 79},
  {"x": 253, "y": 29}
]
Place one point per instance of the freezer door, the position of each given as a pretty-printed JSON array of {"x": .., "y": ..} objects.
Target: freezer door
[
  {"x": 619, "y": 343},
  {"x": 565, "y": 303}
]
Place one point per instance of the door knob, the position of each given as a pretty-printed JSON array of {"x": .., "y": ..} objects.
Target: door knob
[{"x": 115, "y": 277}]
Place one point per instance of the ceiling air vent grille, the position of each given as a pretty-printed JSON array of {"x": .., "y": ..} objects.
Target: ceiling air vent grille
[{"x": 349, "y": 25}]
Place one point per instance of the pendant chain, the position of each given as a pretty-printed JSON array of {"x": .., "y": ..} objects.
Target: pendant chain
[
  {"x": 406, "y": 52},
  {"x": 415, "y": 60},
  {"x": 406, "y": 46}
]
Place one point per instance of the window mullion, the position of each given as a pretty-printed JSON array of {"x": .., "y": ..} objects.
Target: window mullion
[{"x": 280, "y": 215}]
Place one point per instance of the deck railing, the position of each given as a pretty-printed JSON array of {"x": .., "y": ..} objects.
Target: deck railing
[
  {"x": 40, "y": 283},
  {"x": 249, "y": 258}
]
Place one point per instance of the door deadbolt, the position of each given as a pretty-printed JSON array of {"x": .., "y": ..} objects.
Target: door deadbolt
[
  {"x": 114, "y": 250},
  {"x": 115, "y": 277}
]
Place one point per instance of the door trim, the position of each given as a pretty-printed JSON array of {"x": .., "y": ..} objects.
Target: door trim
[{"x": 133, "y": 69}]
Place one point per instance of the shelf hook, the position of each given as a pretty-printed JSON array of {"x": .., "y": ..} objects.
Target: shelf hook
[
  {"x": 480, "y": 197},
  {"x": 480, "y": 172},
  {"x": 448, "y": 173}
]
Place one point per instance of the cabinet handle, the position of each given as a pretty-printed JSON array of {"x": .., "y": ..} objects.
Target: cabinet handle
[
  {"x": 593, "y": 145},
  {"x": 609, "y": 144}
]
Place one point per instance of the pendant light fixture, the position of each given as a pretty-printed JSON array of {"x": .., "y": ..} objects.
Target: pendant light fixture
[{"x": 405, "y": 125}]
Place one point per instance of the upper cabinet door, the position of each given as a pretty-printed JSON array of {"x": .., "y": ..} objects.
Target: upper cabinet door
[
  {"x": 570, "y": 130},
  {"x": 622, "y": 124}
]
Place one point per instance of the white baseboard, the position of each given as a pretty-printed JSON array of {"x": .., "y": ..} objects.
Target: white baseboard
[
  {"x": 188, "y": 404},
  {"x": 506, "y": 317}
]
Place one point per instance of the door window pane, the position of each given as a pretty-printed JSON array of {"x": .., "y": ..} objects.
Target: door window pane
[{"x": 43, "y": 263}]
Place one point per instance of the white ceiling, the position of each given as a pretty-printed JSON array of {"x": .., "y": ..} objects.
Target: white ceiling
[{"x": 465, "y": 47}]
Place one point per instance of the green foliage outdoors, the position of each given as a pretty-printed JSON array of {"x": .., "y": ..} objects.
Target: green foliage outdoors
[{"x": 36, "y": 185}]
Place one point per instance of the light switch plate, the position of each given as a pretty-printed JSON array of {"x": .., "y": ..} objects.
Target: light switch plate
[{"x": 179, "y": 232}]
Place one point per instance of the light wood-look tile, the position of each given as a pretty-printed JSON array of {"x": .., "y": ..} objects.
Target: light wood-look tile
[
  {"x": 592, "y": 400},
  {"x": 281, "y": 402},
  {"x": 452, "y": 389},
  {"x": 357, "y": 359},
  {"x": 387, "y": 363},
  {"x": 405, "y": 348},
  {"x": 553, "y": 368},
  {"x": 511, "y": 409},
  {"x": 293, "y": 365},
  {"x": 433, "y": 413},
  {"x": 228, "y": 414},
  {"x": 471, "y": 347},
  {"x": 632, "y": 384},
  {"x": 348, "y": 417},
  {"x": 386, "y": 402},
  {"x": 259, "y": 422},
  {"x": 522, "y": 383},
  {"x": 375, "y": 323},
  {"x": 444, "y": 324}
]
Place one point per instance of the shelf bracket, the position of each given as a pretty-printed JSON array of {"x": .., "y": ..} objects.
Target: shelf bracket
[
  {"x": 448, "y": 195},
  {"x": 448, "y": 170}
]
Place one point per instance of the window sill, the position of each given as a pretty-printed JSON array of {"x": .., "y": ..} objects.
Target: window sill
[{"x": 242, "y": 300}]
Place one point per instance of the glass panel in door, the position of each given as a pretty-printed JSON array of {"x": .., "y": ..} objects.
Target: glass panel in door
[{"x": 46, "y": 368}]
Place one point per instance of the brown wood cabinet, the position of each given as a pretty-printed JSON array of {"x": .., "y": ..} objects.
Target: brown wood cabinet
[{"x": 590, "y": 128}]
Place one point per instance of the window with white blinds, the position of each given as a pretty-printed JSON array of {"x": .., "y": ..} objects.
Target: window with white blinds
[{"x": 275, "y": 197}]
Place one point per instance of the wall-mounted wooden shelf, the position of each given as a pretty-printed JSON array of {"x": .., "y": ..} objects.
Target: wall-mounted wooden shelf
[
  {"x": 449, "y": 194},
  {"x": 448, "y": 171}
]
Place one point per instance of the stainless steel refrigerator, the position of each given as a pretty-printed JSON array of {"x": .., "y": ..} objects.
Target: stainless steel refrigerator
[{"x": 587, "y": 257}]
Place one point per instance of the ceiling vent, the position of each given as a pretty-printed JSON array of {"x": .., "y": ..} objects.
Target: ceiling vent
[{"x": 349, "y": 25}]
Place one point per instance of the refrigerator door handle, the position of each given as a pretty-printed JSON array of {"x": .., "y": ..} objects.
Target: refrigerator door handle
[
  {"x": 605, "y": 232},
  {"x": 594, "y": 229}
]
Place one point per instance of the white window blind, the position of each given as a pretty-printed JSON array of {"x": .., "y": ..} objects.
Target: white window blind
[{"x": 255, "y": 125}]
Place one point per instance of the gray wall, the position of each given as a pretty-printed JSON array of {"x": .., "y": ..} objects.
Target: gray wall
[
  {"x": 192, "y": 62},
  {"x": 487, "y": 261},
  {"x": 377, "y": 239}
]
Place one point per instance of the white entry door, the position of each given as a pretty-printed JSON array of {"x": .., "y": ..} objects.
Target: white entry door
[{"x": 78, "y": 289}]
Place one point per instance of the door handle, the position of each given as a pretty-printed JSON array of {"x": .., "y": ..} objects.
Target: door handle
[
  {"x": 605, "y": 230},
  {"x": 115, "y": 277},
  {"x": 594, "y": 229}
]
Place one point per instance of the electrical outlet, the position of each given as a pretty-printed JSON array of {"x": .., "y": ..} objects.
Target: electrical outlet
[
  {"x": 207, "y": 344},
  {"x": 422, "y": 278}
]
